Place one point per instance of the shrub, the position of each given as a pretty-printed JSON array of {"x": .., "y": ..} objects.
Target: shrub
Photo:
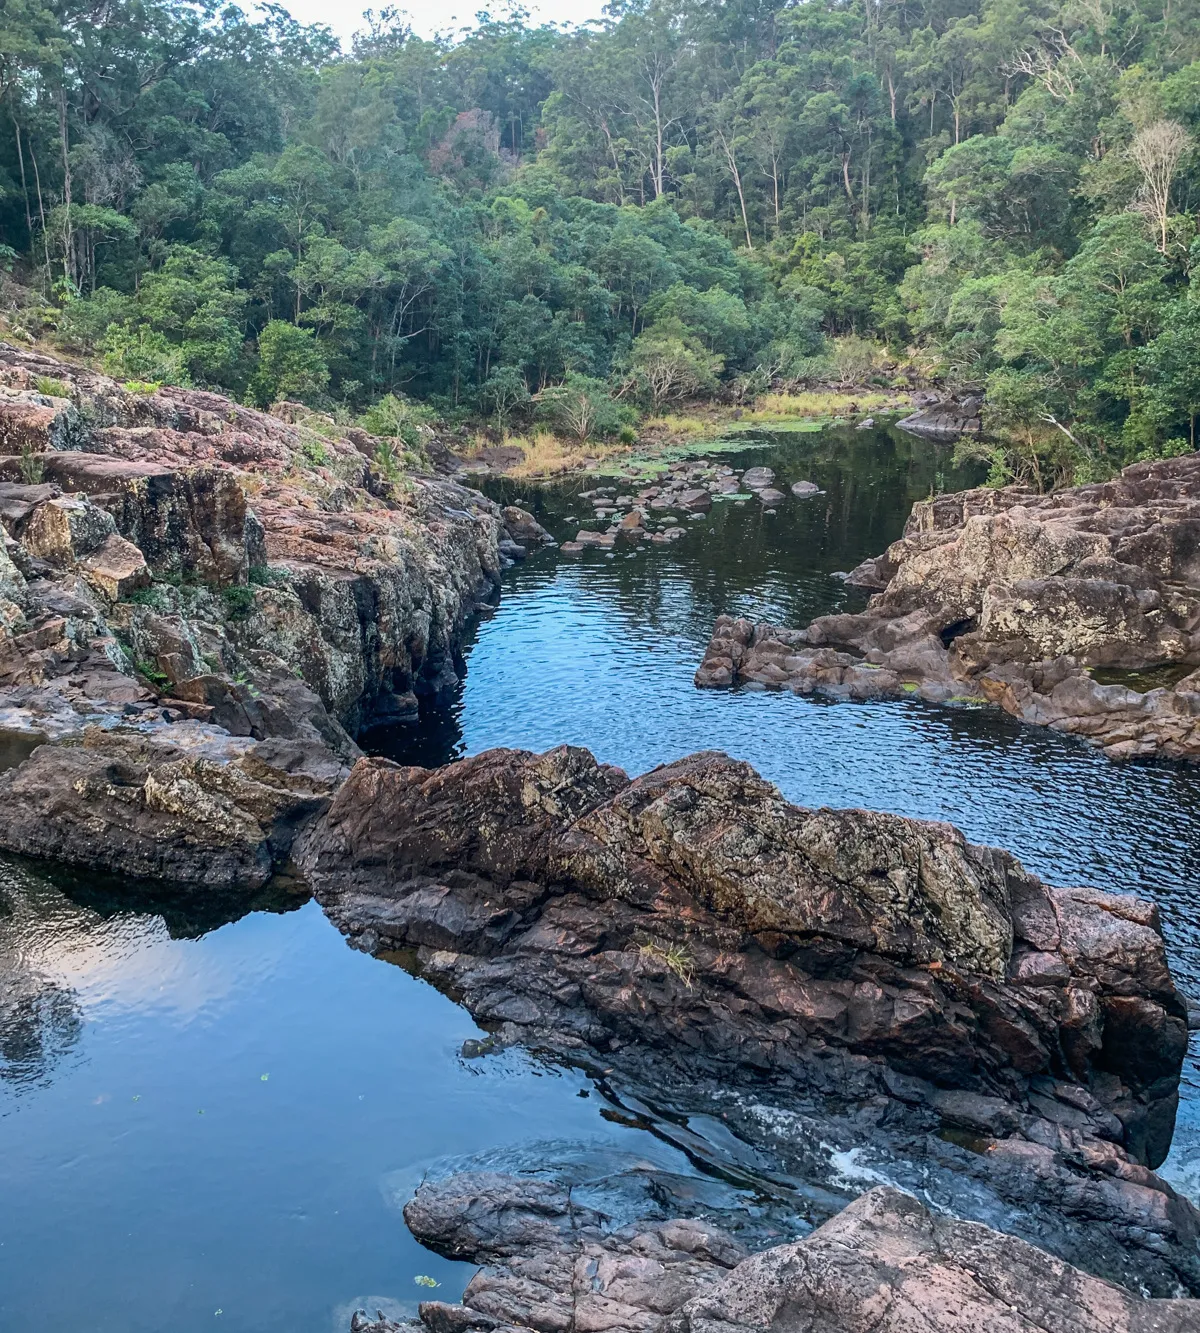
[
  {"x": 239, "y": 601},
  {"x": 581, "y": 408},
  {"x": 290, "y": 365},
  {"x": 136, "y": 352},
  {"x": 667, "y": 363},
  {"x": 315, "y": 452}
]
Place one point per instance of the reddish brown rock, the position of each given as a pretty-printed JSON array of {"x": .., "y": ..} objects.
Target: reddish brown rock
[
  {"x": 1078, "y": 610},
  {"x": 693, "y": 925},
  {"x": 270, "y": 547}
]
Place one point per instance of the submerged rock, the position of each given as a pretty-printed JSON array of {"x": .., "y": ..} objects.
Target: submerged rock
[
  {"x": 693, "y": 926},
  {"x": 1052, "y": 606}
]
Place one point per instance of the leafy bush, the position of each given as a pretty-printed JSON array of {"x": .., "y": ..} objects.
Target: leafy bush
[
  {"x": 239, "y": 601},
  {"x": 290, "y": 365},
  {"x": 394, "y": 417},
  {"x": 137, "y": 352},
  {"x": 263, "y": 576},
  {"x": 581, "y": 408},
  {"x": 315, "y": 452},
  {"x": 667, "y": 363}
]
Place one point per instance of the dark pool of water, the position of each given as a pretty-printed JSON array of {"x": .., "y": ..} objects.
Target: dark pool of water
[{"x": 151, "y": 1177}]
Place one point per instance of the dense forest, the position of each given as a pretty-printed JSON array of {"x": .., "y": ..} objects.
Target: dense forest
[{"x": 686, "y": 200}]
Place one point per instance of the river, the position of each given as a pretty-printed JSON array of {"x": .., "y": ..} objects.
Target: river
[{"x": 210, "y": 1114}]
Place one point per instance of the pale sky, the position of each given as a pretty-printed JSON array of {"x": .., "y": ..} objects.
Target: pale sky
[{"x": 432, "y": 16}]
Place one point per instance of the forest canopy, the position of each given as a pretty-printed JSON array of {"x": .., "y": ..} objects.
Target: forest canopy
[{"x": 682, "y": 201}]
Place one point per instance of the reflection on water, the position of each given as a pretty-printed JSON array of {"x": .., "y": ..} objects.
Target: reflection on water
[
  {"x": 207, "y": 1111},
  {"x": 601, "y": 653},
  {"x": 218, "y": 1124}
]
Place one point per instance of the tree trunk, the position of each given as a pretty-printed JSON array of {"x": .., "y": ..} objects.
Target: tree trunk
[
  {"x": 69, "y": 259},
  {"x": 24, "y": 186},
  {"x": 37, "y": 176}
]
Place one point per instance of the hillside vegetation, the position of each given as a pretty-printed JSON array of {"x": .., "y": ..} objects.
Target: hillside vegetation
[{"x": 566, "y": 229}]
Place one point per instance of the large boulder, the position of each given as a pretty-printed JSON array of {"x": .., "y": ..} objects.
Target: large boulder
[
  {"x": 186, "y": 803},
  {"x": 887, "y": 1263},
  {"x": 692, "y": 925}
]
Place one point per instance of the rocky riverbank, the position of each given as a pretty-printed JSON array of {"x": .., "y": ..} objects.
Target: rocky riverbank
[
  {"x": 1078, "y": 610},
  {"x": 886, "y": 1263},
  {"x": 200, "y": 605},
  {"x": 834, "y": 987}
]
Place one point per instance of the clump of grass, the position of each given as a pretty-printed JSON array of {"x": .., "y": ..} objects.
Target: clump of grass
[
  {"x": 51, "y": 387},
  {"x": 673, "y": 424},
  {"x": 818, "y": 403},
  {"x": 142, "y": 386},
  {"x": 673, "y": 957},
  {"x": 544, "y": 453},
  {"x": 32, "y": 465}
]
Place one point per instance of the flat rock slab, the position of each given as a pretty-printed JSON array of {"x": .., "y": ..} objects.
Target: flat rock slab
[{"x": 885, "y": 1264}]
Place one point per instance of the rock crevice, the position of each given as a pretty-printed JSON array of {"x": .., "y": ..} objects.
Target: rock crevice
[{"x": 691, "y": 926}]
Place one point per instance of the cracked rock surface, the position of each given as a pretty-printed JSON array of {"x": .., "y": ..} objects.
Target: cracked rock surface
[
  {"x": 1078, "y": 610},
  {"x": 871, "y": 984}
]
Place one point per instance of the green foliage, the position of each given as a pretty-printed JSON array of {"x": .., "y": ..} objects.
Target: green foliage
[
  {"x": 52, "y": 388},
  {"x": 690, "y": 200},
  {"x": 238, "y": 600},
  {"x": 138, "y": 352},
  {"x": 290, "y": 365},
  {"x": 580, "y": 407},
  {"x": 150, "y": 672},
  {"x": 32, "y": 465},
  {"x": 263, "y": 576},
  {"x": 395, "y": 418},
  {"x": 667, "y": 362},
  {"x": 152, "y": 597},
  {"x": 315, "y": 452},
  {"x": 387, "y": 461}
]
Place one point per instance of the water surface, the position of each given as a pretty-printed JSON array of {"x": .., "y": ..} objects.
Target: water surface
[{"x": 211, "y": 1111}]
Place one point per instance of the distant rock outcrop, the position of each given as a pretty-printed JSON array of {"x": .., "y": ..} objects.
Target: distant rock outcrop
[{"x": 1078, "y": 610}]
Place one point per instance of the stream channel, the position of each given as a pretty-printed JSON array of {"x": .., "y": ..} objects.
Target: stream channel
[{"x": 211, "y": 1112}]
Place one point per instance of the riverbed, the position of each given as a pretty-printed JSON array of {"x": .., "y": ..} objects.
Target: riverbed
[{"x": 211, "y": 1114}]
